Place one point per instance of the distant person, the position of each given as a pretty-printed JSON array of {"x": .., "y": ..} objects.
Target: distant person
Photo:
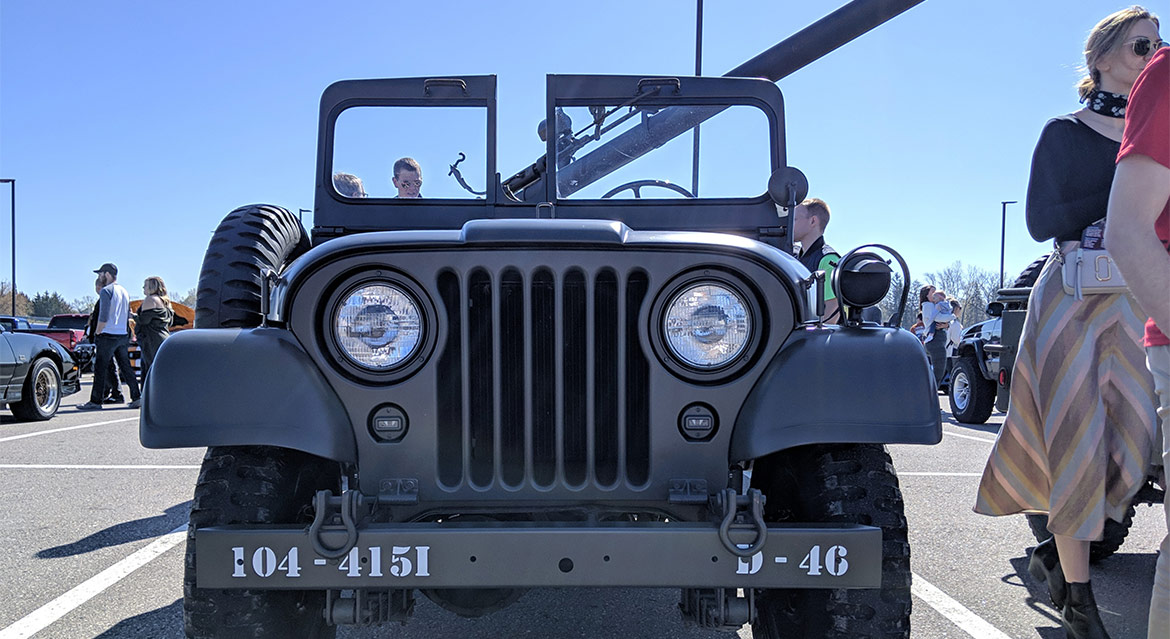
[
  {"x": 918, "y": 328},
  {"x": 407, "y": 178},
  {"x": 943, "y": 314},
  {"x": 112, "y": 338},
  {"x": 955, "y": 330},
  {"x": 1078, "y": 436},
  {"x": 155, "y": 315},
  {"x": 1139, "y": 220},
  {"x": 112, "y": 393},
  {"x": 808, "y": 227},
  {"x": 935, "y": 322},
  {"x": 348, "y": 185}
]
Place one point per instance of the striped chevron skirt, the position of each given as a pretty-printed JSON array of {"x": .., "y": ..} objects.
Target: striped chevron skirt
[{"x": 1078, "y": 439}]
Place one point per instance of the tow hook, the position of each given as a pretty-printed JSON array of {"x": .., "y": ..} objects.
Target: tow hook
[
  {"x": 730, "y": 503},
  {"x": 323, "y": 503}
]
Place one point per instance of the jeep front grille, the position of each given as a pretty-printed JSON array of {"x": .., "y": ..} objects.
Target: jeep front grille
[{"x": 542, "y": 380}]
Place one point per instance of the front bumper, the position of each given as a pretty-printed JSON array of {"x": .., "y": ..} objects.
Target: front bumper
[{"x": 504, "y": 555}]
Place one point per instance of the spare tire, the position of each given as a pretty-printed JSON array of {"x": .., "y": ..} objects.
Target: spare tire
[
  {"x": 1030, "y": 274},
  {"x": 249, "y": 240}
]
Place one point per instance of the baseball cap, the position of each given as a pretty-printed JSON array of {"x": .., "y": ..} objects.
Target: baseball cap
[{"x": 108, "y": 267}]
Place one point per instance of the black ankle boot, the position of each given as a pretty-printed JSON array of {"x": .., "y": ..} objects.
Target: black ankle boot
[
  {"x": 1080, "y": 619},
  {"x": 1044, "y": 566}
]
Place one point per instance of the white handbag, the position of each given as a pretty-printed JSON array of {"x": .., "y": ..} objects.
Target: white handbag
[{"x": 1088, "y": 271}]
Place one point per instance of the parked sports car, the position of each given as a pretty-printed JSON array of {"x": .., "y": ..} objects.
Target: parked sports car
[{"x": 35, "y": 372}]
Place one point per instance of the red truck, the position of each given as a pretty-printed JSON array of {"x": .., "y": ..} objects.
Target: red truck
[{"x": 68, "y": 330}]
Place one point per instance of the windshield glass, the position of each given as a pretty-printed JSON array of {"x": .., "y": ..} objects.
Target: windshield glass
[
  {"x": 734, "y": 152},
  {"x": 392, "y": 152}
]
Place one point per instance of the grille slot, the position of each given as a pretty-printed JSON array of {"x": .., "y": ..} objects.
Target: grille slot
[{"x": 542, "y": 380}]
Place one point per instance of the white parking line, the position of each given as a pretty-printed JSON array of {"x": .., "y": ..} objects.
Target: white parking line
[
  {"x": 94, "y": 467},
  {"x": 947, "y": 432},
  {"x": 42, "y": 617},
  {"x": 959, "y": 615},
  {"x": 901, "y": 474},
  {"x": 58, "y": 430}
]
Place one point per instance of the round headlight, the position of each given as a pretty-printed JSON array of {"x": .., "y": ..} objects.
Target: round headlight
[
  {"x": 707, "y": 325},
  {"x": 378, "y": 326}
]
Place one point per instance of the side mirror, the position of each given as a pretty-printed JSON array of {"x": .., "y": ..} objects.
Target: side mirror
[
  {"x": 995, "y": 309},
  {"x": 788, "y": 187}
]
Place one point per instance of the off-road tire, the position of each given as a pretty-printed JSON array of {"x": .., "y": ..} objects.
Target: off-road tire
[
  {"x": 1113, "y": 536},
  {"x": 837, "y": 483},
  {"x": 972, "y": 395},
  {"x": 250, "y": 239},
  {"x": 1030, "y": 274},
  {"x": 255, "y": 485},
  {"x": 41, "y": 394}
]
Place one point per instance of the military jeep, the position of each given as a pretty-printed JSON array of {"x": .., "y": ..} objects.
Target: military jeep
[{"x": 595, "y": 372}]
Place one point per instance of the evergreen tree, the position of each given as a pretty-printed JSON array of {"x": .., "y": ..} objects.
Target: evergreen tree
[{"x": 48, "y": 304}]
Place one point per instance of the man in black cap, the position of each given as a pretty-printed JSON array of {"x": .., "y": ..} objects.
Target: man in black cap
[{"x": 112, "y": 338}]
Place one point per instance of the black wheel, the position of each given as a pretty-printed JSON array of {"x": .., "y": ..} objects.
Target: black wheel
[
  {"x": 846, "y": 484},
  {"x": 972, "y": 395},
  {"x": 1030, "y": 274},
  {"x": 249, "y": 239},
  {"x": 41, "y": 394},
  {"x": 1113, "y": 536},
  {"x": 255, "y": 485}
]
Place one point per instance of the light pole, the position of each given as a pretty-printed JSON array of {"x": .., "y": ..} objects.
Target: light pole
[
  {"x": 1002, "y": 235},
  {"x": 12, "y": 181}
]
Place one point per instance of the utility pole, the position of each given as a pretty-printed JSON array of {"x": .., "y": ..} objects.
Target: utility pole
[
  {"x": 1002, "y": 237},
  {"x": 12, "y": 181}
]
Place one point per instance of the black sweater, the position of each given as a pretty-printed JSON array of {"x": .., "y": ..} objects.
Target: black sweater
[{"x": 1072, "y": 171}]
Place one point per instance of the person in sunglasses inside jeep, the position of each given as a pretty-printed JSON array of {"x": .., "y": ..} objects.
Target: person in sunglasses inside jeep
[
  {"x": 1078, "y": 437},
  {"x": 407, "y": 178}
]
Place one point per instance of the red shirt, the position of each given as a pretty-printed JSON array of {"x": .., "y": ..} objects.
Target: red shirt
[{"x": 1147, "y": 132}]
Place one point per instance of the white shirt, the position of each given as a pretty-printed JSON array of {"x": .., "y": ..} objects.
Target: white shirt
[{"x": 115, "y": 309}]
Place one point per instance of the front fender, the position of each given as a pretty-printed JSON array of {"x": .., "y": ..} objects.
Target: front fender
[
  {"x": 840, "y": 385},
  {"x": 241, "y": 387}
]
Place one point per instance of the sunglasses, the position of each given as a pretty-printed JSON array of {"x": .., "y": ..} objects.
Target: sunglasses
[
  {"x": 415, "y": 183},
  {"x": 1143, "y": 46}
]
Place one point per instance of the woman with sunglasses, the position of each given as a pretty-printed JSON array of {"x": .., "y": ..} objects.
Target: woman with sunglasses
[{"x": 1078, "y": 437}]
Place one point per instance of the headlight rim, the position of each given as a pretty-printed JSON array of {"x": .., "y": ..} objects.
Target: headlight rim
[
  {"x": 327, "y": 330},
  {"x": 735, "y": 366}
]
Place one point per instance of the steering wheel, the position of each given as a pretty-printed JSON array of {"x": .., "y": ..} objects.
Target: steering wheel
[{"x": 636, "y": 187}]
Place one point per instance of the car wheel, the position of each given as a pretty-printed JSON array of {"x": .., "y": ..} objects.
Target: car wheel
[
  {"x": 1113, "y": 536},
  {"x": 249, "y": 239},
  {"x": 837, "y": 484},
  {"x": 255, "y": 485},
  {"x": 41, "y": 394},
  {"x": 972, "y": 396}
]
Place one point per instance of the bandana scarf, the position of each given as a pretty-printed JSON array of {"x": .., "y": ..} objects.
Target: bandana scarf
[{"x": 1110, "y": 105}]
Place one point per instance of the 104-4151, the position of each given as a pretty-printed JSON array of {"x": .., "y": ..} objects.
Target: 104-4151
[{"x": 375, "y": 561}]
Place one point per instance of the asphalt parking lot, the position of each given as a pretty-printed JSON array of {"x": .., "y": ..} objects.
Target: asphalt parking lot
[{"x": 93, "y": 528}]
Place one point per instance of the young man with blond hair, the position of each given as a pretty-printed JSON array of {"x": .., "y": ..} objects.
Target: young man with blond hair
[{"x": 808, "y": 227}]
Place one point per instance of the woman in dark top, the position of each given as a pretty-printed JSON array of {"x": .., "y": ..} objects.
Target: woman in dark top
[
  {"x": 154, "y": 320},
  {"x": 1078, "y": 437}
]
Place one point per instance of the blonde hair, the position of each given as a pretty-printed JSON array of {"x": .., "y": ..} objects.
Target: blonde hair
[
  {"x": 818, "y": 209},
  {"x": 154, "y": 285},
  {"x": 1103, "y": 39}
]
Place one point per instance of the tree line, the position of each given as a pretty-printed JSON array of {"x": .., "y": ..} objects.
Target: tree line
[
  {"x": 50, "y": 303},
  {"x": 972, "y": 286}
]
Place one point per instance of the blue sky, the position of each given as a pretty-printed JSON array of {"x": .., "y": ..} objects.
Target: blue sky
[{"x": 132, "y": 128}]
